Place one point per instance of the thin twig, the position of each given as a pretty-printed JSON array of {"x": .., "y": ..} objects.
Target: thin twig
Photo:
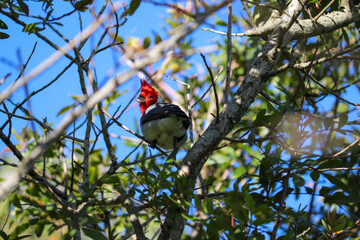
[
  {"x": 63, "y": 160},
  {"x": 59, "y": 195},
  {"x": 39, "y": 90},
  {"x": 267, "y": 97},
  {"x": 214, "y": 87},
  {"x": 55, "y": 56},
  {"x": 345, "y": 149},
  {"x": 132, "y": 132},
  {"x": 224, "y": 33},
  {"x": 207, "y": 90},
  {"x": 318, "y": 29},
  {"x": 73, "y": 160},
  {"x": 304, "y": 65},
  {"x": 228, "y": 66},
  {"x": 143, "y": 225},
  {"x": 188, "y": 107},
  {"x": 173, "y": 6},
  {"x": 323, "y": 10},
  {"x": 252, "y": 21},
  {"x": 330, "y": 91},
  {"x": 240, "y": 140}
]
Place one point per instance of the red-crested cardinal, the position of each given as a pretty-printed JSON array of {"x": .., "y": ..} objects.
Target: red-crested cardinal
[{"x": 164, "y": 124}]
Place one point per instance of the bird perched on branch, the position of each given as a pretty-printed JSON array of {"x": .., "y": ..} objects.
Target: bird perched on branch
[{"x": 164, "y": 124}]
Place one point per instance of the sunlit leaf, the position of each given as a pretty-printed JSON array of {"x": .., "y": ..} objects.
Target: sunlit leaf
[
  {"x": 39, "y": 227},
  {"x": 64, "y": 110},
  {"x": 208, "y": 206},
  {"x": 147, "y": 42}
]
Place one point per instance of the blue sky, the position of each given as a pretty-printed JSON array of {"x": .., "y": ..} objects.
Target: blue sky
[{"x": 146, "y": 20}]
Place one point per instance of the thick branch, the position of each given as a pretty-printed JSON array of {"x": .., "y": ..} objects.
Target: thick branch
[
  {"x": 145, "y": 59},
  {"x": 252, "y": 85},
  {"x": 305, "y": 28}
]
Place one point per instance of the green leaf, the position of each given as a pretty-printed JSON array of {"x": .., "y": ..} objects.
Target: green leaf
[
  {"x": 208, "y": 206},
  {"x": 4, "y": 35},
  {"x": 82, "y": 5},
  {"x": 49, "y": 14},
  {"x": 88, "y": 220},
  {"x": 221, "y": 22},
  {"x": 50, "y": 208},
  {"x": 298, "y": 181},
  {"x": 110, "y": 179},
  {"x": 157, "y": 38},
  {"x": 261, "y": 221},
  {"x": 278, "y": 196},
  {"x": 251, "y": 137},
  {"x": 93, "y": 174},
  {"x": 249, "y": 201},
  {"x": 39, "y": 227},
  {"x": 266, "y": 173},
  {"x": 4, "y": 235},
  {"x": 134, "y": 4},
  {"x": 335, "y": 180},
  {"x": 315, "y": 175},
  {"x": 191, "y": 218},
  {"x": 268, "y": 103},
  {"x": 16, "y": 201},
  {"x": 309, "y": 190},
  {"x": 58, "y": 23},
  {"x": 327, "y": 122},
  {"x": 3, "y": 25},
  {"x": 331, "y": 163},
  {"x": 147, "y": 42},
  {"x": 238, "y": 172},
  {"x": 23, "y": 7},
  {"x": 171, "y": 158},
  {"x": 19, "y": 230},
  {"x": 64, "y": 110},
  {"x": 325, "y": 225},
  {"x": 324, "y": 191},
  {"x": 259, "y": 121},
  {"x": 343, "y": 118},
  {"x": 94, "y": 234},
  {"x": 197, "y": 202},
  {"x": 31, "y": 28}
]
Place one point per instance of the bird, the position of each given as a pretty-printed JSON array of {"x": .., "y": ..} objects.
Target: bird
[{"x": 163, "y": 124}]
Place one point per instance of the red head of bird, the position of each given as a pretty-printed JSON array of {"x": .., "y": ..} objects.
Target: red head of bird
[{"x": 148, "y": 96}]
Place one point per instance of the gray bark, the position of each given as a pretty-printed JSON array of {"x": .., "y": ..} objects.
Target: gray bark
[{"x": 252, "y": 85}]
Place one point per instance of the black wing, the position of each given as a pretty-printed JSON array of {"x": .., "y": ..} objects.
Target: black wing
[{"x": 164, "y": 110}]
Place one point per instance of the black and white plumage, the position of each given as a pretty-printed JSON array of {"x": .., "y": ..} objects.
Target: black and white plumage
[{"x": 164, "y": 124}]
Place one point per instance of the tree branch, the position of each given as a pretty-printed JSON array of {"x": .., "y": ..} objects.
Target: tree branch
[
  {"x": 253, "y": 83},
  {"x": 305, "y": 28},
  {"x": 146, "y": 58}
]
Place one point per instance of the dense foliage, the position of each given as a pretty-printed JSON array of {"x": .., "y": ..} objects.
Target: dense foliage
[{"x": 289, "y": 169}]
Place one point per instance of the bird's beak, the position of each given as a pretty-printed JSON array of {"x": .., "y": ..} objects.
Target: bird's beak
[{"x": 140, "y": 99}]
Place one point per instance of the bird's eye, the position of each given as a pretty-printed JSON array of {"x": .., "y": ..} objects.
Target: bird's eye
[{"x": 150, "y": 96}]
